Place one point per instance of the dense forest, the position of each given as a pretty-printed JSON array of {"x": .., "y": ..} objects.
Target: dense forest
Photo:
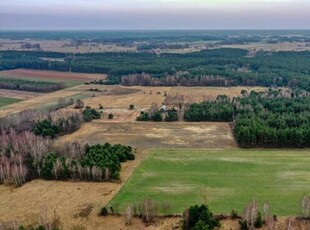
[
  {"x": 215, "y": 67},
  {"x": 260, "y": 120}
]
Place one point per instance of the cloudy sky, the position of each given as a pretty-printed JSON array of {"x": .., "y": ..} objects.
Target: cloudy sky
[{"x": 154, "y": 14}]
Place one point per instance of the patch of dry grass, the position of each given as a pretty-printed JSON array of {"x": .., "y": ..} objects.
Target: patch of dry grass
[{"x": 157, "y": 135}]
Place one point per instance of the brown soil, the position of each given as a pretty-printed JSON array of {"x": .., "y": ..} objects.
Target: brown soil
[{"x": 42, "y": 74}]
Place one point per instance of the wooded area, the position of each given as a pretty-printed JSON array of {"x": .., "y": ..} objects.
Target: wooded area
[
  {"x": 260, "y": 119},
  {"x": 214, "y": 67}
]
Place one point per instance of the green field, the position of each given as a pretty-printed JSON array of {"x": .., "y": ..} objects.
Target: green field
[
  {"x": 231, "y": 178},
  {"x": 4, "y": 101},
  {"x": 67, "y": 82}
]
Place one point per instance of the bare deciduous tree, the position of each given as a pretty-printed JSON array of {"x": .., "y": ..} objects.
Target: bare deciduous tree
[
  {"x": 128, "y": 214},
  {"x": 250, "y": 213},
  {"x": 305, "y": 204}
]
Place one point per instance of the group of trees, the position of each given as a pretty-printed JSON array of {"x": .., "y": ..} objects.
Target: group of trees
[
  {"x": 272, "y": 122},
  {"x": 65, "y": 124},
  {"x": 157, "y": 115},
  {"x": 174, "y": 80},
  {"x": 260, "y": 119},
  {"x": 89, "y": 114},
  {"x": 98, "y": 163},
  {"x": 25, "y": 156},
  {"x": 32, "y": 86},
  {"x": 216, "y": 67},
  {"x": 219, "y": 110}
]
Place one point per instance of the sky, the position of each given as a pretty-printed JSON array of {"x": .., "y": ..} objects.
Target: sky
[{"x": 153, "y": 14}]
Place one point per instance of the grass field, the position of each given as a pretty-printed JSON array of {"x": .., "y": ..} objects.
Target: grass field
[
  {"x": 68, "y": 78},
  {"x": 231, "y": 179},
  {"x": 4, "y": 101}
]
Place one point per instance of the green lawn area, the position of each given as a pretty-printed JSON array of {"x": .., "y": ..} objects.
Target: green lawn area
[
  {"x": 67, "y": 82},
  {"x": 231, "y": 178},
  {"x": 8, "y": 100}
]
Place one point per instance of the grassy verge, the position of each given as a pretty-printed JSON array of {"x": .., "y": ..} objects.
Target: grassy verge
[
  {"x": 230, "y": 178},
  {"x": 4, "y": 101}
]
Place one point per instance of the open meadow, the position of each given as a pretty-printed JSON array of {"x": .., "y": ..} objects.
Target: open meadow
[{"x": 228, "y": 178}]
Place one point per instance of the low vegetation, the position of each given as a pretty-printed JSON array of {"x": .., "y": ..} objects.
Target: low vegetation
[{"x": 229, "y": 178}]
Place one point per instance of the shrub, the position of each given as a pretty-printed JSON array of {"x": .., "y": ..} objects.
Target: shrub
[
  {"x": 110, "y": 116},
  {"x": 258, "y": 221},
  {"x": 131, "y": 107},
  {"x": 103, "y": 211},
  {"x": 172, "y": 115},
  {"x": 79, "y": 104},
  {"x": 157, "y": 116},
  {"x": 89, "y": 114},
  {"x": 144, "y": 116},
  {"x": 234, "y": 214},
  {"x": 45, "y": 128},
  {"x": 202, "y": 216},
  {"x": 243, "y": 225},
  {"x": 200, "y": 225}
]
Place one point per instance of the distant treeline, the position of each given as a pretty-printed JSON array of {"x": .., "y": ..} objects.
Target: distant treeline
[
  {"x": 230, "y": 66},
  {"x": 259, "y": 120},
  {"x": 32, "y": 86}
]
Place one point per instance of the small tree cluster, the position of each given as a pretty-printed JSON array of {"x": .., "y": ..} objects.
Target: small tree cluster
[
  {"x": 89, "y": 114},
  {"x": 199, "y": 217},
  {"x": 305, "y": 204}
]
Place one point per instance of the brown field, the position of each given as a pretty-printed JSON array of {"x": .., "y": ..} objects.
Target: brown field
[
  {"x": 64, "y": 46},
  {"x": 35, "y": 102},
  {"x": 70, "y": 200},
  {"x": 24, "y": 95},
  {"x": 50, "y": 75},
  {"x": 142, "y": 97},
  {"x": 156, "y": 135},
  {"x": 116, "y": 99}
]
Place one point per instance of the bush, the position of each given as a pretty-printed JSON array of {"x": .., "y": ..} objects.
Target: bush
[
  {"x": 200, "y": 225},
  {"x": 243, "y": 225},
  {"x": 200, "y": 216},
  {"x": 258, "y": 221},
  {"x": 89, "y": 114},
  {"x": 131, "y": 107},
  {"x": 172, "y": 115},
  {"x": 103, "y": 211},
  {"x": 157, "y": 117},
  {"x": 234, "y": 214},
  {"x": 79, "y": 104},
  {"x": 110, "y": 116},
  {"x": 144, "y": 116},
  {"x": 45, "y": 128}
]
